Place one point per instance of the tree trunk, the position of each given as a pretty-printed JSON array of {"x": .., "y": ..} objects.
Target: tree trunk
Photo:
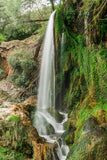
[{"x": 52, "y": 3}]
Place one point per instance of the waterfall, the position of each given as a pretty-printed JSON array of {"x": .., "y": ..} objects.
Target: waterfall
[
  {"x": 45, "y": 123},
  {"x": 46, "y": 92}
]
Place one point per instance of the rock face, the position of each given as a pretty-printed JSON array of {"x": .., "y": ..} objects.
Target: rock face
[
  {"x": 20, "y": 135},
  {"x": 90, "y": 146},
  {"x": 6, "y": 71},
  {"x": 92, "y": 142},
  {"x": 8, "y": 88}
]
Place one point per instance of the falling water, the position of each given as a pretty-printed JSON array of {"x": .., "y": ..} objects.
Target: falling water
[
  {"x": 46, "y": 93},
  {"x": 43, "y": 121}
]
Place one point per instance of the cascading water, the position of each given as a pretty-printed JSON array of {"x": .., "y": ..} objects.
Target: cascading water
[
  {"x": 46, "y": 94},
  {"x": 43, "y": 121}
]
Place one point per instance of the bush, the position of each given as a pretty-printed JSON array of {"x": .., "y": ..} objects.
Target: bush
[
  {"x": 22, "y": 61},
  {"x": 2, "y": 38}
]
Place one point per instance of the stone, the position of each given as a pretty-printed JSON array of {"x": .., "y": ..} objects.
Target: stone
[
  {"x": 90, "y": 124},
  {"x": 90, "y": 146}
]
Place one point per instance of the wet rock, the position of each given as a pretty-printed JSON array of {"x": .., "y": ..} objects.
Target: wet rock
[
  {"x": 50, "y": 129},
  {"x": 59, "y": 117},
  {"x": 90, "y": 124}
]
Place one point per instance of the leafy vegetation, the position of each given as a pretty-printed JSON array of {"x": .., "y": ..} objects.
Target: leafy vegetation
[
  {"x": 80, "y": 73},
  {"x": 19, "y": 20},
  {"x": 6, "y": 153},
  {"x": 22, "y": 62},
  {"x": 2, "y": 38},
  {"x": 16, "y": 135},
  {"x": 83, "y": 71}
]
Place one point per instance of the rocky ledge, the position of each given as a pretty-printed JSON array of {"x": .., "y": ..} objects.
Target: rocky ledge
[{"x": 18, "y": 137}]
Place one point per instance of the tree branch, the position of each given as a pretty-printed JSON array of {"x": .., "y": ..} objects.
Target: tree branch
[
  {"x": 28, "y": 21},
  {"x": 38, "y": 20}
]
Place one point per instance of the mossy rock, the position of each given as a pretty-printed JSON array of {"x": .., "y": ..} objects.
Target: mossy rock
[
  {"x": 101, "y": 116},
  {"x": 68, "y": 137},
  {"x": 90, "y": 124},
  {"x": 69, "y": 125},
  {"x": 90, "y": 146}
]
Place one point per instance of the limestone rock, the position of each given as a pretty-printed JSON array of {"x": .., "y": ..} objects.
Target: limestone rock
[{"x": 8, "y": 88}]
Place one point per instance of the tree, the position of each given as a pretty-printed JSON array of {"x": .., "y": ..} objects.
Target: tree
[
  {"x": 16, "y": 13},
  {"x": 52, "y": 3}
]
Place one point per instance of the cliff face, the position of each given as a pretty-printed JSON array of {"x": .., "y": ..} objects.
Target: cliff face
[
  {"x": 81, "y": 76},
  {"x": 15, "y": 79}
]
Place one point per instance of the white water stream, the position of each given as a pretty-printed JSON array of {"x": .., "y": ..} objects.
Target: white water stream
[{"x": 45, "y": 122}]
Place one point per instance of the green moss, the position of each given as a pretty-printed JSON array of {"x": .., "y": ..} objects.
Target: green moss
[
  {"x": 15, "y": 136},
  {"x": 14, "y": 118},
  {"x": 103, "y": 28},
  {"x": 84, "y": 114},
  {"x": 2, "y": 38},
  {"x": 6, "y": 153},
  {"x": 88, "y": 66},
  {"x": 84, "y": 73},
  {"x": 88, "y": 148},
  {"x": 59, "y": 21},
  {"x": 1, "y": 106}
]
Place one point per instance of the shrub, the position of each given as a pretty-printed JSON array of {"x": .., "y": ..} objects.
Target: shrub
[
  {"x": 22, "y": 61},
  {"x": 2, "y": 38},
  {"x": 21, "y": 58}
]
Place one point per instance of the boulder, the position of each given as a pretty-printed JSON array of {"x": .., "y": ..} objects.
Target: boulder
[
  {"x": 90, "y": 124},
  {"x": 92, "y": 143}
]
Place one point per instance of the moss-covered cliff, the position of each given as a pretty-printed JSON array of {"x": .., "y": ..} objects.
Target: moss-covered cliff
[{"x": 81, "y": 76}]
